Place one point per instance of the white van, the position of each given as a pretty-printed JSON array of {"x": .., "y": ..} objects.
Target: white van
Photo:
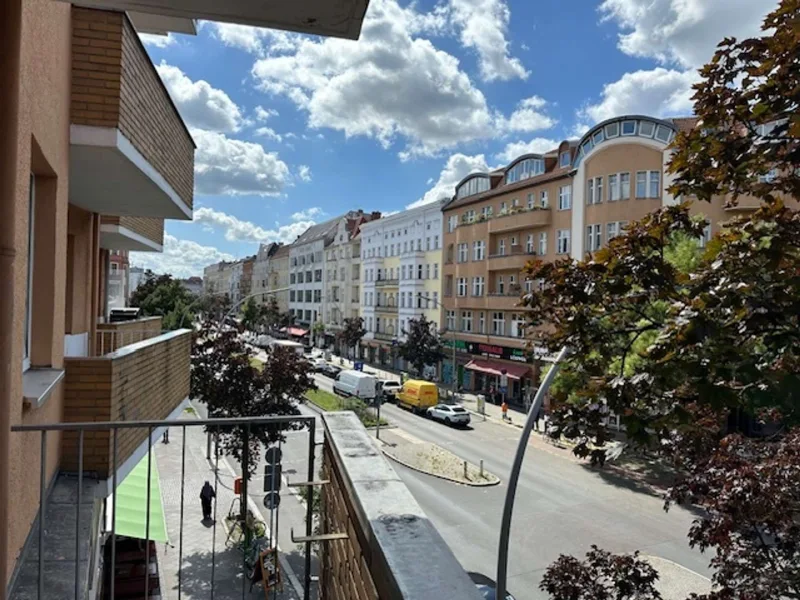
[
  {"x": 298, "y": 348},
  {"x": 355, "y": 383}
]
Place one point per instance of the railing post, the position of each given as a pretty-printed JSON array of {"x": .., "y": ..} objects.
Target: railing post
[{"x": 312, "y": 428}]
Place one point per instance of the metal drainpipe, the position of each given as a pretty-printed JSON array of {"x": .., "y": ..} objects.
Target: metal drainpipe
[{"x": 10, "y": 38}]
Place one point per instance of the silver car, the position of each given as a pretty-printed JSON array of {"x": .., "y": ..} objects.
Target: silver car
[{"x": 451, "y": 414}]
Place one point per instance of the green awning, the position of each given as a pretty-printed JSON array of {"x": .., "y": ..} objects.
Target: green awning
[{"x": 131, "y": 500}]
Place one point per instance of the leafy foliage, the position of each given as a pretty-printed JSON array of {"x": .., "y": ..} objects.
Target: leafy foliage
[
  {"x": 163, "y": 296},
  {"x": 224, "y": 377},
  {"x": 422, "y": 346},
  {"x": 252, "y": 315},
  {"x": 215, "y": 306},
  {"x": 353, "y": 331}
]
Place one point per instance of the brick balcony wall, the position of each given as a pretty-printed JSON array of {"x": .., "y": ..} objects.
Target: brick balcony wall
[
  {"x": 114, "y": 84},
  {"x": 151, "y": 228},
  {"x": 113, "y": 336},
  {"x": 143, "y": 381},
  {"x": 392, "y": 551}
]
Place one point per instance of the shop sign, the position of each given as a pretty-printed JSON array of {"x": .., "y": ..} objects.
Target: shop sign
[{"x": 521, "y": 355}]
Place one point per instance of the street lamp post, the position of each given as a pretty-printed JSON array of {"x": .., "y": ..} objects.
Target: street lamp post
[
  {"x": 453, "y": 378},
  {"x": 513, "y": 478}
]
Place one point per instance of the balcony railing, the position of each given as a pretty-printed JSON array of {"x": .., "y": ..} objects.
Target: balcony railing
[
  {"x": 385, "y": 309},
  {"x": 386, "y": 337},
  {"x": 517, "y": 258},
  {"x": 59, "y": 563},
  {"x": 113, "y": 336},
  {"x": 387, "y": 282}
]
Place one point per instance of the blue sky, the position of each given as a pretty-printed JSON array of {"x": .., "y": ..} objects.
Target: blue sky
[{"x": 292, "y": 129}]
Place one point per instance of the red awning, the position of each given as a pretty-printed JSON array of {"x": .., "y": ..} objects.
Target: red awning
[
  {"x": 295, "y": 331},
  {"x": 496, "y": 368}
]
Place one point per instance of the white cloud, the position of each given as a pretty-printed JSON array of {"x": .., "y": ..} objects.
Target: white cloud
[
  {"x": 682, "y": 32},
  {"x": 535, "y": 146},
  {"x": 483, "y": 25},
  {"x": 270, "y": 133},
  {"x": 308, "y": 214},
  {"x": 527, "y": 117},
  {"x": 388, "y": 85},
  {"x": 304, "y": 172},
  {"x": 236, "y": 230},
  {"x": 255, "y": 40},
  {"x": 262, "y": 114},
  {"x": 181, "y": 258},
  {"x": 158, "y": 41},
  {"x": 658, "y": 92},
  {"x": 200, "y": 104},
  {"x": 455, "y": 169},
  {"x": 235, "y": 167}
]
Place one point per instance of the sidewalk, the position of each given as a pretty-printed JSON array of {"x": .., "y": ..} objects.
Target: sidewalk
[{"x": 199, "y": 537}]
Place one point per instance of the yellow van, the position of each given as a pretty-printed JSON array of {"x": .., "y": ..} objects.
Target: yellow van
[{"x": 418, "y": 395}]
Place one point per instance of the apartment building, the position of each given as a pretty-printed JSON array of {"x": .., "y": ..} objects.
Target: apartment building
[
  {"x": 401, "y": 270},
  {"x": 241, "y": 279},
  {"x": 564, "y": 203},
  {"x": 117, "y": 282},
  {"x": 271, "y": 272},
  {"x": 217, "y": 278}
]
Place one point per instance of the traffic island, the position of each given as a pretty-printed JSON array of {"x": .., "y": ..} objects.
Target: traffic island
[{"x": 434, "y": 460}]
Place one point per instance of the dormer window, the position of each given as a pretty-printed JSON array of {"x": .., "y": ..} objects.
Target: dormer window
[{"x": 564, "y": 159}]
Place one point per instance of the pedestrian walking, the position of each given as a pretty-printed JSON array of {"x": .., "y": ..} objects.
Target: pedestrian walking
[
  {"x": 206, "y": 495},
  {"x": 504, "y": 408}
]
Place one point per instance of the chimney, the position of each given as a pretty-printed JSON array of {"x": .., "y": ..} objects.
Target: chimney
[{"x": 376, "y": 214}]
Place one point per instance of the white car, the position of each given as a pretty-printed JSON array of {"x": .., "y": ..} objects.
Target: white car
[
  {"x": 451, "y": 414},
  {"x": 390, "y": 388},
  {"x": 318, "y": 364}
]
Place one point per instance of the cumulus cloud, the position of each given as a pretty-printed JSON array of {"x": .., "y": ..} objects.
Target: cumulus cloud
[
  {"x": 682, "y": 32},
  {"x": 262, "y": 114},
  {"x": 200, "y": 104},
  {"x": 255, "y": 40},
  {"x": 158, "y": 41},
  {"x": 658, "y": 92},
  {"x": 455, "y": 169},
  {"x": 308, "y": 214},
  {"x": 483, "y": 25},
  {"x": 528, "y": 116},
  {"x": 389, "y": 85},
  {"x": 304, "y": 173},
  {"x": 235, "y": 167},
  {"x": 535, "y": 146},
  {"x": 270, "y": 133},
  {"x": 180, "y": 258},
  {"x": 237, "y": 230}
]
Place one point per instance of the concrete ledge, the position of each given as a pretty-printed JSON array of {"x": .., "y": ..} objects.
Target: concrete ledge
[{"x": 405, "y": 555}]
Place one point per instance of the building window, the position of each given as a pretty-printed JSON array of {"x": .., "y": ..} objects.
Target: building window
[
  {"x": 612, "y": 130},
  {"x": 498, "y": 324},
  {"x": 625, "y": 186},
  {"x": 629, "y": 128},
  {"x": 419, "y": 271},
  {"x": 612, "y": 230},
  {"x": 542, "y": 243},
  {"x": 308, "y": 295},
  {"x": 706, "y": 237},
  {"x": 486, "y": 212},
  {"x": 501, "y": 285},
  {"x": 562, "y": 241},
  {"x": 564, "y": 198},
  {"x": 448, "y": 285},
  {"x": 462, "y": 286},
  {"x": 481, "y": 322},
  {"x": 655, "y": 184},
  {"x": 477, "y": 286},
  {"x": 427, "y": 244},
  {"x": 451, "y": 320},
  {"x": 463, "y": 252},
  {"x": 515, "y": 203},
  {"x": 529, "y": 244},
  {"x": 291, "y": 278},
  {"x": 503, "y": 208},
  {"x": 501, "y": 247},
  {"x": 524, "y": 169},
  {"x": 436, "y": 242},
  {"x": 469, "y": 216},
  {"x": 478, "y": 250},
  {"x": 641, "y": 184},
  {"x": 427, "y": 271},
  {"x": 452, "y": 223},
  {"x": 595, "y": 190},
  {"x": 436, "y": 270},
  {"x": 646, "y": 128},
  {"x": 466, "y": 321},
  {"x": 517, "y": 325},
  {"x": 594, "y": 237},
  {"x": 291, "y": 295},
  {"x": 531, "y": 201},
  {"x": 543, "y": 201},
  {"x": 403, "y": 271},
  {"x": 563, "y": 159},
  {"x": 613, "y": 188}
]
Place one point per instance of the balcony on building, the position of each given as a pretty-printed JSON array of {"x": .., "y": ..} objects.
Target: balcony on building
[
  {"x": 386, "y": 308},
  {"x": 516, "y": 258},
  {"x": 139, "y": 234},
  {"x": 520, "y": 218},
  {"x": 131, "y": 154},
  {"x": 386, "y": 337},
  {"x": 387, "y": 282}
]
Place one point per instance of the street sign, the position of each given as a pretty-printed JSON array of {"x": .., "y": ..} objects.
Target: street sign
[
  {"x": 272, "y": 478},
  {"x": 358, "y": 366},
  {"x": 273, "y": 455},
  {"x": 272, "y": 500}
]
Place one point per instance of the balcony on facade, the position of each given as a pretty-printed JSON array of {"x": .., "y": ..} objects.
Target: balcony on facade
[
  {"x": 491, "y": 301},
  {"x": 385, "y": 337},
  {"x": 387, "y": 282},
  {"x": 516, "y": 259},
  {"x": 130, "y": 152},
  {"x": 140, "y": 234},
  {"x": 384, "y": 308},
  {"x": 520, "y": 218}
]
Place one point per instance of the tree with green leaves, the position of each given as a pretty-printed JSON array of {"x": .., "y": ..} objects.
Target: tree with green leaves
[
  {"x": 422, "y": 346},
  {"x": 253, "y": 316},
  {"x": 352, "y": 332},
  {"x": 163, "y": 296},
  {"x": 317, "y": 331},
  {"x": 224, "y": 377},
  {"x": 700, "y": 355}
]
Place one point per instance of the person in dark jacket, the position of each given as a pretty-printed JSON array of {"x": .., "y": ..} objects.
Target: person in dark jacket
[{"x": 206, "y": 495}]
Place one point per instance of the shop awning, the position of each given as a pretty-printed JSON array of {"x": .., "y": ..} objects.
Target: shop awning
[
  {"x": 295, "y": 331},
  {"x": 131, "y": 502},
  {"x": 496, "y": 368}
]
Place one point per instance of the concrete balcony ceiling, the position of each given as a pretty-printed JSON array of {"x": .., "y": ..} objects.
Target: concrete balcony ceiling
[
  {"x": 139, "y": 234},
  {"x": 336, "y": 18},
  {"x": 130, "y": 152}
]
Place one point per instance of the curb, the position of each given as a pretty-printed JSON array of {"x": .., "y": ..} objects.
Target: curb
[
  {"x": 494, "y": 419},
  {"x": 438, "y": 476}
]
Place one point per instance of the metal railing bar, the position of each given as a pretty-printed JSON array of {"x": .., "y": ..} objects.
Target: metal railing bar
[
  {"x": 214, "y": 525},
  {"x": 309, "y": 508},
  {"x": 147, "y": 515},
  {"x": 180, "y": 534},
  {"x": 114, "y": 515},
  {"x": 78, "y": 517},
  {"x": 102, "y": 426},
  {"x": 245, "y": 531},
  {"x": 42, "y": 506}
]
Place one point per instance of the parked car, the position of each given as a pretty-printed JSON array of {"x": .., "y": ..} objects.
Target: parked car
[
  {"x": 391, "y": 388},
  {"x": 355, "y": 383},
  {"x": 451, "y": 414},
  {"x": 318, "y": 365},
  {"x": 331, "y": 371},
  {"x": 486, "y": 586}
]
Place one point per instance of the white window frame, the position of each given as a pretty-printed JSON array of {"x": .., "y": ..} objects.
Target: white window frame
[
  {"x": 452, "y": 223},
  {"x": 614, "y": 193},
  {"x": 542, "y": 243},
  {"x": 563, "y": 241},
  {"x": 561, "y": 162},
  {"x": 643, "y": 176},
  {"x": 624, "y": 185},
  {"x": 564, "y": 197},
  {"x": 478, "y": 250},
  {"x": 501, "y": 247},
  {"x": 463, "y": 252},
  {"x": 529, "y": 244},
  {"x": 594, "y": 237},
  {"x": 462, "y": 286},
  {"x": 498, "y": 324},
  {"x": 651, "y": 192},
  {"x": 478, "y": 286},
  {"x": 544, "y": 202},
  {"x": 466, "y": 321}
]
